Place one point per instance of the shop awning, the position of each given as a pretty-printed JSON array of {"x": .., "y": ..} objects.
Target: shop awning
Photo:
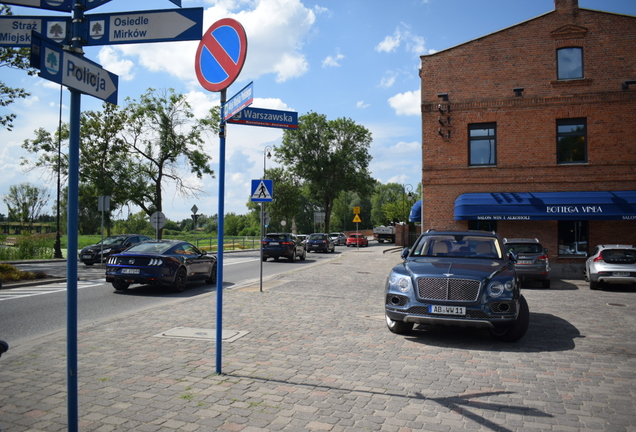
[
  {"x": 416, "y": 212},
  {"x": 594, "y": 205}
]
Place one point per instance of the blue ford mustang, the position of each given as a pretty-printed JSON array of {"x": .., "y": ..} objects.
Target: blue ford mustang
[
  {"x": 162, "y": 263},
  {"x": 459, "y": 278}
]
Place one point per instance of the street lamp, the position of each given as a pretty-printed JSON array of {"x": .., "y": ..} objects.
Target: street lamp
[{"x": 267, "y": 154}]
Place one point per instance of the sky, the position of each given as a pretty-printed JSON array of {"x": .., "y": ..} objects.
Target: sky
[{"x": 356, "y": 59}]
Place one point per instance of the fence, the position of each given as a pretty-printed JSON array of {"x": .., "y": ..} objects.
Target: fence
[{"x": 229, "y": 243}]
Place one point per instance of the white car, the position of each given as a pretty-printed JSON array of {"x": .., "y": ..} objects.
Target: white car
[
  {"x": 339, "y": 238},
  {"x": 611, "y": 264}
]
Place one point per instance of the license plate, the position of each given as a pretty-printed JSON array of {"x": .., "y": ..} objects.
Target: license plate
[
  {"x": 524, "y": 262},
  {"x": 86, "y": 256},
  {"x": 315, "y": 246},
  {"x": 621, "y": 274},
  {"x": 447, "y": 310},
  {"x": 273, "y": 243},
  {"x": 130, "y": 271}
]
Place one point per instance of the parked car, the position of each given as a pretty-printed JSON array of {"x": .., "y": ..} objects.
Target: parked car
[
  {"x": 277, "y": 245},
  {"x": 338, "y": 238},
  {"x": 357, "y": 239},
  {"x": 533, "y": 262},
  {"x": 461, "y": 278},
  {"x": 111, "y": 245},
  {"x": 320, "y": 242},
  {"x": 303, "y": 238},
  {"x": 161, "y": 263},
  {"x": 611, "y": 264},
  {"x": 575, "y": 248}
]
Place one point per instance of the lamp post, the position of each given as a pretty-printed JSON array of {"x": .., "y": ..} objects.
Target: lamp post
[{"x": 267, "y": 154}]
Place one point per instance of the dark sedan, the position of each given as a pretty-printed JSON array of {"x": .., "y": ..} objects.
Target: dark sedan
[
  {"x": 320, "y": 242},
  {"x": 110, "y": 245},
  {"x": 459, "y": 278},
  {"x": 171, "y": 263}
]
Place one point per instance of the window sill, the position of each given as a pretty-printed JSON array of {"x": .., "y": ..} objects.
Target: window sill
[{"x": 577, "y": 82}]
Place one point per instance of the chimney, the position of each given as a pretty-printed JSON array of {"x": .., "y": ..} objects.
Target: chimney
[{"x": 566, "y": 6}]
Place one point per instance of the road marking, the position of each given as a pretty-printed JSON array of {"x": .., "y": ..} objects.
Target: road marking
[{"x": 14, "y": 293}]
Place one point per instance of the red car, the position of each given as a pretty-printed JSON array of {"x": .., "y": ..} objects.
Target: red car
[{"x": 357, "y": 239}]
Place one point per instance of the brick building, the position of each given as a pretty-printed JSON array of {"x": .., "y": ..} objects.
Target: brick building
[{"x": 531, "y": 131}]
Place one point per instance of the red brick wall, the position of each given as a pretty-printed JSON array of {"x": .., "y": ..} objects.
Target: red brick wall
[{"x": 479, "y": 77}]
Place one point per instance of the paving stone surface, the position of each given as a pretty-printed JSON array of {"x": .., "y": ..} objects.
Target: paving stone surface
[{"x": 318, "y": 357}]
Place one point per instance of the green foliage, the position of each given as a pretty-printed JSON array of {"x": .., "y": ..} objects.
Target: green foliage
[
  {"x": 328, "y": 156},
  {"x": 26, "y": 202},
  {"x": 36, "y": 246},
  {"x": 137, "y": 223}
]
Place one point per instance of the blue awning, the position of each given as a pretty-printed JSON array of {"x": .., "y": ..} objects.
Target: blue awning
[
  {"x": 416, "y": 212},
  {"x": 615, "y": 205}
]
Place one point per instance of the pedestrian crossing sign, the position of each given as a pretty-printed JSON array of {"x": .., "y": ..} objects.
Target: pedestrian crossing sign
[{"x": 262, "y": 190}]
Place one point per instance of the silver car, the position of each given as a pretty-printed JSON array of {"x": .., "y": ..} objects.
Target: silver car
[
  {"x": 611, "y": 264},
  {"x": 340, "y": 239}
]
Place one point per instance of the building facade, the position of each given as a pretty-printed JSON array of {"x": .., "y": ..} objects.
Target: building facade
[{"x": 531, "y": 131}]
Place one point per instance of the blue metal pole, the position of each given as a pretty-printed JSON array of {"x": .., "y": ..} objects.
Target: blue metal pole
[{"x": 221, "y": 228}]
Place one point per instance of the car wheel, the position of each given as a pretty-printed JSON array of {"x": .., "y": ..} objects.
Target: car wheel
[
  {"x": 304, "y": 255},
  {"x": 120, "y": 285},
  {"x": 276, "y": 258},
  {"x": 398, "y": 327},
  {"x": 516, "y": 330},
  {"x": 292, "y": 258},
  {"x": 212, "y": 279},
  {"x": 546, "y": 283},
  {"x": 180, "y": 280},
  {"x": 593, "y": 285},
  {"x": 264, "y": 258},
  {"x": 88, "y": 264}
]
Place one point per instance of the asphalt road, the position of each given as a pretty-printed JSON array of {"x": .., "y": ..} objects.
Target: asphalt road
[{"x": 28, "y": 313}]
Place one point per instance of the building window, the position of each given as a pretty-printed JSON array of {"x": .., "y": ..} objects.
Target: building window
[
  {"x": 570, "y": 63},
  {"x": 573, "y": 236},
  {"x": 571, "y": 141},
  {"x": 479, "y": 225},
  {"x": 482, "y": 144}
]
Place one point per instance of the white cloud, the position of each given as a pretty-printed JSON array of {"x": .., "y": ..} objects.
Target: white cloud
[
  {"x": 413, "y": 43},
  {"x": 333, "y": 61},
  {"x": 407, "y": 103},
  {"x": 111, "y": 60},
  {"x": 388, "y": 80},
  {"x": 390, "y": 43},
  {"x": 361, "y": 104}
]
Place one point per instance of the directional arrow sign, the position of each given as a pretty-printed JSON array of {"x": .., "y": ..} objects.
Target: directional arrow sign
[
  {"x": 15, "y": 31},
  {"x": 58, "y": 5},
  {"x": 166, "y": 25},
  {"x": 73, "y": 71},
  {"x": 266, "y": 118}
]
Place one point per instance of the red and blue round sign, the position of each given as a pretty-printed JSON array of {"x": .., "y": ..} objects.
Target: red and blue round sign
[{"x": 221, "y": 54}]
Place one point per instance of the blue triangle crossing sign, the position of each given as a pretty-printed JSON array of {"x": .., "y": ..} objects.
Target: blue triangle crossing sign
[{"x": 262, "y": 191}]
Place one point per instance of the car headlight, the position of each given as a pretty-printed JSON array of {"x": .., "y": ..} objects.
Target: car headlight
[
  {"x": 105, "y": 251},
  {"x": 495, "y": 289},
  {"x": 400, "y": 282}
]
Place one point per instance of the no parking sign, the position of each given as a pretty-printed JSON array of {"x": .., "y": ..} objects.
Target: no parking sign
[{"x": 221, "y": 54}]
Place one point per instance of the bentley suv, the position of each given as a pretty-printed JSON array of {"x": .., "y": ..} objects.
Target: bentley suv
[{"x": 457, "y": 278}]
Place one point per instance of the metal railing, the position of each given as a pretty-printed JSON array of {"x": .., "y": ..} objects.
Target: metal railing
[{"x": 229, "y": 243}]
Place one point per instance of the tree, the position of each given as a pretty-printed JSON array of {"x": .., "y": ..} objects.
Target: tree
[
  {"x": 26, "y": 202},
  {"x": 15, "y": 59},
  {"x": 329, "y": 156}
]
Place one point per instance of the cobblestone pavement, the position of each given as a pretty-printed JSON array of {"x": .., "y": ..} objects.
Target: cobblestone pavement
[{"x": 317, "y": 356}]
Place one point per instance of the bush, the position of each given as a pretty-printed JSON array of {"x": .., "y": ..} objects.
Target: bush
[{"x": 9, "y": 273}]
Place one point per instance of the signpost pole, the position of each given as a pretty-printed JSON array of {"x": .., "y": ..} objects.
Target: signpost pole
[{"x": 221, "y": 228}]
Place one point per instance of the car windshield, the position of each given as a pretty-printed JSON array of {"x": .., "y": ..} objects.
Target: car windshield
[
  {"x": 276, "y": 236},
  {"x": 317, "y": 237},
  {"x": 152, "y": 247},
  {"x": 524, "y": 247},
  {"x": 619, "y": 256},
  {"x": 112, "y": 241},
  {"x": 458, "y": 246},
  {"x": 355, "y": 236}
]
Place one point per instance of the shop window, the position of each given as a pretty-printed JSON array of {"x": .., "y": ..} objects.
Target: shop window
[
  {"x": 571, "y": 141},
  {"x": 573, "y": 238},
  {"x": 570, "y": 63},
  {"x": 482, "y": 145},
  {"x": 481, "y": 225}
]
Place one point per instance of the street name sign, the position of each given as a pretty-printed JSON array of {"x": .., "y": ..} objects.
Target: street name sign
[
  {"x": 15, "y": 31},
  {"x": 73, "y": 71},
  {"x": 168, "y": 25},
  {"x": 238, "y": 102},
  {"x": 266, "y": 118},
  {"x": 221, "y": 54},
  {"x": 262, "y": 190}
]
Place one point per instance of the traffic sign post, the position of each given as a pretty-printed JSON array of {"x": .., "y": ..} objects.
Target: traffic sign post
[{"x": 65, "y": 64}]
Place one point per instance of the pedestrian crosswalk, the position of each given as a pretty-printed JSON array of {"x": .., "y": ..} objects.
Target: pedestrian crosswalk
[{"x": 16, "y": 293}]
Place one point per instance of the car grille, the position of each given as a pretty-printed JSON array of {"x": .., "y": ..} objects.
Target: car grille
[{"x": 448, "y": 289}]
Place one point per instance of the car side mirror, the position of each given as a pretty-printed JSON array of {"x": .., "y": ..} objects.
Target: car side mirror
[
  {"x": 545, "y": 250},
  {"x": 405, "y": 253},
  {"x": 512, "y": 256},
  {"x": 204, "y": 252}
]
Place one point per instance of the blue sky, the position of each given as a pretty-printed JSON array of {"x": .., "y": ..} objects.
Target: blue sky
[{"x": 342, "y": 58}]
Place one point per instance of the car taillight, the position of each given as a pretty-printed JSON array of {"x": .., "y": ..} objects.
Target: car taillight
[
  {"x": 285, "y": 243},
  {"x": 543, "y": 257},
  {"x": 598, "y": 258}
]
